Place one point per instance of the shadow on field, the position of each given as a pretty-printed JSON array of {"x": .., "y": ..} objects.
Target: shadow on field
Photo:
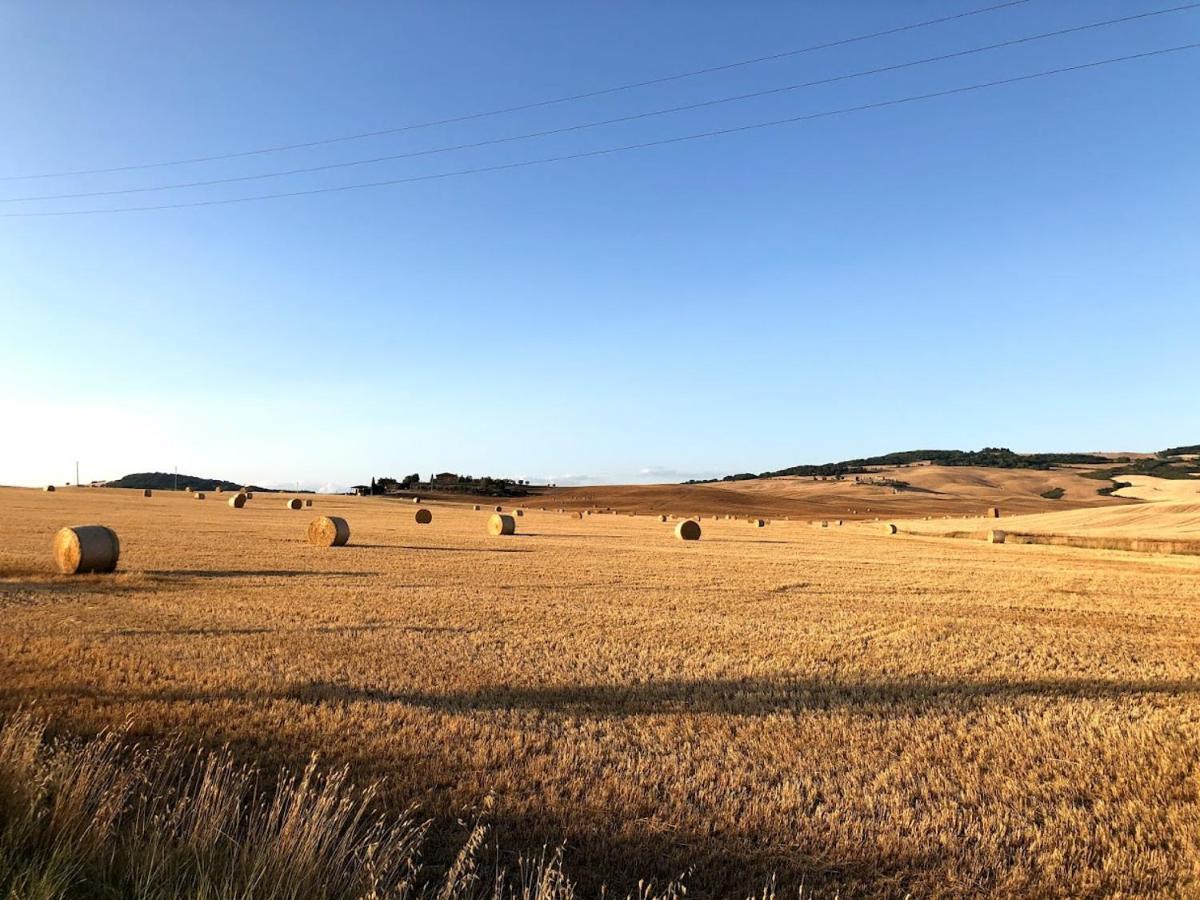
[
  {"x": 257, "y": 573},
  {"x": 442, "y": 549},
  {"x": 749, "y": 697}
]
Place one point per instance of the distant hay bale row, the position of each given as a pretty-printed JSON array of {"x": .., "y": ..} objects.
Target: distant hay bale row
[
  {"x": 328, "y": 531},
  {"x": 499, "y": 524},
  {"x": 86, "y": 548}
]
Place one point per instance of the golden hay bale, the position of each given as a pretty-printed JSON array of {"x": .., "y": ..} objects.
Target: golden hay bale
[
  {"x": 662, "y": 518},
  {"x": 499, "y": 524},
  {"x": 995, "y": 536},
  {"x": 49, "y": 489},
  {"x": 578, "y": 515},
  {"x": 188, "y": 488},
  {"x": 328, "y": 531},
  {"x": 824, "y": 524},
  {"x": 199, "y": 495},
  {"x": 237, "y": 501},
  {"x": 308, "y": 503},
  {"x": 758, "y": 523},
  {"x": 249, "y": 495},
  {"x": 475, "y": 507},
  {"x": 993, "y": 512},
  {"x": 519, "y": 512},
  {"x": 294, "y": 503},
  {"x": 416, "y": 499},
  {"x": 498, "y": 509},
  {"x": 147, "y": 492},
  {"x": 219, "y": 490},
  {"x": 86, "y": 548},
  {"x": 687, "y": 530},
  {"x": 839, "y": 522},
  {"x": 889, "y": 528},
  {"x": 423, "y": 517}
]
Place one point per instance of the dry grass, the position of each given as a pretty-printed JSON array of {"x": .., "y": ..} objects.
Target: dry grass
[{"x": 862, "y": 714}]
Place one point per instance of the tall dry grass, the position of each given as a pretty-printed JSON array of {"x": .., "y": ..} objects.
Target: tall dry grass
[{"x": 102, "y": 818}]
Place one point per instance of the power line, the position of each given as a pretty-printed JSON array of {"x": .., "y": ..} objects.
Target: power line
[
  {"x": 537, "y": 104},
  {"x": 604, "y": 122},
  {"x": 881, "y": 104}
]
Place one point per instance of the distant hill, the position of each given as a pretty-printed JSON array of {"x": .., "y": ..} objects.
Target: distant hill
[
  {"x": 988, "y": 457},
  {"x": 166, "y": 481}
]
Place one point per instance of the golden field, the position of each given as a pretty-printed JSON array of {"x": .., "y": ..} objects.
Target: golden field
[{"x": 855, "y": 713}]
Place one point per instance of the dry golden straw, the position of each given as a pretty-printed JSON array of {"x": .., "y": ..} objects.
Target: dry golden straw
[
  {"x": 86, "y": 548},
  {"x": 328, "y": 531}
]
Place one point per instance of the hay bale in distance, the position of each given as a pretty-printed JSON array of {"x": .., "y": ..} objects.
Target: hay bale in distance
[
  {"x": 86, "y": 548},
  {"x": 49, "y": 489},
  {"x": 237, "y": 501},
  {"x": 308, "y": 503},
  {"x": 993, "y": 512},
  {"x": 498, "y": 509},
  {"x": 249, "y": 495},
  {"x": 519, "y": 512},
  {"x": 662, "y": 518},
  {"x": 758, "y": 523},
  {"x": 995, "y": 536},
  {"x": 890, "y": 528},
  {"x": 219, "y": 490},
  {"x": 475, "y": 507},
  {"x": 199, "y": 495},
  {"x": 416, "y": 499},
  {"x": 147, "y": 492},
  {"x": 839, "y": 521},
  {"x": 328, "y": 531},
  {"x": 423, "y": 517},
  {"x": 688, "y": 530},
  {"x": 294, "y": 503},
  {"x": 500, "y": 524}
]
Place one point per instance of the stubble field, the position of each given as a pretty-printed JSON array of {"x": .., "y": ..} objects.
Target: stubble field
[{"x": 856, "y": 713}]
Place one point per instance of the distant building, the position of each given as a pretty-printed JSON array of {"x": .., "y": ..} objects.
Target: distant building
[
  {"x": 444, "y": 478},
  {"x": 363, "y": 490}
]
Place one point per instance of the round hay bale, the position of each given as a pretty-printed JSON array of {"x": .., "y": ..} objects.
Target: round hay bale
[
  {"x": 423, "y": 517},
  {"x": 519, "y": 512},
  {"x": 294, "y": 503},
  {"x": 890, "y": 528},
  {"x": 86, "y": 548},
  {"x": 578, "y": 515},
  {"x": 688, "y": 530},
  {"x": 199, "y": 495},
  {"x": 219, "y": 490},
  {"x": 49, "y": 489},
  {"x": 498, "y": 509},
  {"x": 237, "y": 501},
  {"x": 308, "y": 503},
  {"x": 839, "y": 522},
  {"x": 475, "y": 507},
  {"x": 328, "y": 531},
  {"x": 995, "y": 536},
  {"x": 993, "y": 512},
  {"x": 662, "y": 518},
  {"x": 500, "y": 524},
  {"x": 416, "y": 499},
  {"x": 249, "y": 495},
  {"x": 758, "y": 523},
  {"x": 147, "y": 492}
]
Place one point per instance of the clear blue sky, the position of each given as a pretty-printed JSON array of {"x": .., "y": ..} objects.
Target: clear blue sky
[{"x": 1017, "y": 266}]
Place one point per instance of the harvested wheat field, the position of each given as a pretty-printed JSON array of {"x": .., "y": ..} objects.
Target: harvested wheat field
[{"x": 860, "y": 713}]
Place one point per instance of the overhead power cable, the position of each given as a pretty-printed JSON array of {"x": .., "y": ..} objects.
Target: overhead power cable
[
  {"x": 391, "y": 157},
  {"x": 604, "y": 151},
  {"x": 536, "y": 104}
]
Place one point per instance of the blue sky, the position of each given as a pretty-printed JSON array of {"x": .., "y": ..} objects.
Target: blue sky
[{"x": 1016, "y": 266}]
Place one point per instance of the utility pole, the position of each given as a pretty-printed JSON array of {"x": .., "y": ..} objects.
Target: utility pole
[{"x": 76, "y": 473}]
